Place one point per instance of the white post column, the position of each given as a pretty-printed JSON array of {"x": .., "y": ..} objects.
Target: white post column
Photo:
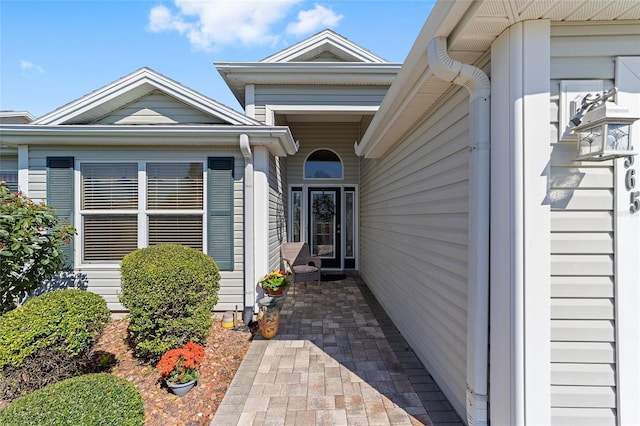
[
  {"x": 520, "y": 226},
  {"x": 261, "y": 210}
]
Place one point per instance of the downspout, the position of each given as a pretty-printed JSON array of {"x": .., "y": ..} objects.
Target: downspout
[
  {"x": 479, "y": 87},
  {"x": 249, "y": 279}
]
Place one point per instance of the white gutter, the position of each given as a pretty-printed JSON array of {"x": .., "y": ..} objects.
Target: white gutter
[
  {"x": 479, "y": 87},
  {"x": 249, "y": 237},
  {"x": 277, "y": 139}
]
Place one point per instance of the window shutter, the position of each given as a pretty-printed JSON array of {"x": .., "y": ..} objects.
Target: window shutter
[
  {"x": 60, "y": 197},
  {"x": 220, "y": 211}
]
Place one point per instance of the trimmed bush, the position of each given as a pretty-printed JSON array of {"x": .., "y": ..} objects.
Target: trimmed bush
[
  {"x": 92, "y": 399},
  {"x": 170, "y": 291},
  {"x": 48, "y": 339}
]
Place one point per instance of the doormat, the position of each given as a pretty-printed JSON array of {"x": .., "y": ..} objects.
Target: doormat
[{"x": 333, "y": 277}]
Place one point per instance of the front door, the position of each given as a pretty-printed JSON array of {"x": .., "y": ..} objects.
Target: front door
[{"x": 324, "y": 225}]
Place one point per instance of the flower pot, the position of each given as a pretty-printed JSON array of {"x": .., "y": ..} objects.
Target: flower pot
[
  {"x": 181, "y": 389},
  {"x": 277, "y": 292},
  {"x": 268, "y": 324}
]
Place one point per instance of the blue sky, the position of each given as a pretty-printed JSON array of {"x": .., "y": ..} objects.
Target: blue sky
[{"x": 53, "y": 52}]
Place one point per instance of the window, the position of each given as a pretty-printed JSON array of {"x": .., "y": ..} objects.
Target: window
[
  {"x": 10, "y": 177},
  {"x": 296, "y": 214},
  {"x": 109, "y": 208},
  {"x": 323, "y": 164},
  {"x": 112, "y": 208},
  {"x": 175, "y": 203}
]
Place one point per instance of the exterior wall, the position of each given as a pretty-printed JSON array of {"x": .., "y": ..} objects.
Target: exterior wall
[
  {"x": 105, "y": 279},
  {"x": 316, "y": 95},
  {"x": 277, "y": 209},
  {"x": 157, "y": 108},
  {"x": 338, "y": 137},
  {"x": 414, "y": 243},
  {"x": 583, "y": 279}
]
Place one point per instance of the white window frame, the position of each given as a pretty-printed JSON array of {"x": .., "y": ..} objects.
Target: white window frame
[{"x": 142, "y": 212}]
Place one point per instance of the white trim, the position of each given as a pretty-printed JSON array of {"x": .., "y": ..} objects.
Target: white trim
[
  {"x": 304, "y": 223},
  {"x": 272, "y": 110},
  {"x": 23, "y": 169},
  {"x": 520, "y": 223},
  {"x": 133, "y": 86},
  {"x": 536, "y": 150},
  {"x": 627, "y": 253},
  {"x": 142, "y": 212},
  {"x": 323, "y": 39},
  {"x": 277, "y": 139},
  {"x": 250, "y": 100}
]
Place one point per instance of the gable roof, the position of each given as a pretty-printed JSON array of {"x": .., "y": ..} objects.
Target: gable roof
[
  {"x": 326, "y": 58},
  {"x": 130, "y": 88},
  {"x": 317, "y": 46}
]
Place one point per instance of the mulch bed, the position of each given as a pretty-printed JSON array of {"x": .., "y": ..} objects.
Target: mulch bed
[{"x": 225, "y": 349}]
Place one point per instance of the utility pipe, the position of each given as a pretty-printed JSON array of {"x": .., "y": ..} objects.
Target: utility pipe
[
  {"x": 249, "y": 278},
  {"x": 479, "y": 87}
]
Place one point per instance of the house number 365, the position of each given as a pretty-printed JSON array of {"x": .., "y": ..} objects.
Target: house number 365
[{"x": 630, "y": 183}]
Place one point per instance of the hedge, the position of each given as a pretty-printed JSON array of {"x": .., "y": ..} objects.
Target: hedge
[
  {"x": 91, "y": 399},
  {"x": 48, "y": 339}
]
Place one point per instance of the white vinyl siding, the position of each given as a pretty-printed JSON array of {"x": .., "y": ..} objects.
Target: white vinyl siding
[
  {"x": 104, "y": 279},
  {"x": 158, "y": 108},
  {"x": 583, "y": 348},
  {"x": 414, "y": 244}
]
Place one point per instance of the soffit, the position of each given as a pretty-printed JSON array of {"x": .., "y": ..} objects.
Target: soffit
[{"x": 470, "y": 28}]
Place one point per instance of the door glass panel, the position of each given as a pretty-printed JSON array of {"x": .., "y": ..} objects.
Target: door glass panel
[
  {"x": 296, "y": 215},
  {"x": 323, "y": 223},
  {"x": 348, "y": 223}
]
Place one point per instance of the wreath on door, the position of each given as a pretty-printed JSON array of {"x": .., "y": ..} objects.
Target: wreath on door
[{"x": 323, "y": 208}]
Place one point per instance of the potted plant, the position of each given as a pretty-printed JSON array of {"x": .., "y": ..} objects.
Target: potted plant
[
  {"x": 180, "y": 367},
  {"x": 274, "y": 283}
]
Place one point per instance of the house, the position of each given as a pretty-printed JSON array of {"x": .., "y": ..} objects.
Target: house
[
  {"x": 450, "y": 181},
  {"x": 514, "y": 267},
  {"x": 8, "y": 166}
]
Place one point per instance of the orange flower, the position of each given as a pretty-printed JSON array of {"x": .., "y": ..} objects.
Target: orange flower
[{"x": 181, "y": 365}]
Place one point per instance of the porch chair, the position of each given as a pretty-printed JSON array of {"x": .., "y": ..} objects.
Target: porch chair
[{"x": 300, "y": 264}]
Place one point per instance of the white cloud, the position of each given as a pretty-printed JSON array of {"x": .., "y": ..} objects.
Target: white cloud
[
  {"x": 314, "y": 19},
  {"x": 212, "y": 23},
  {"x": 30, "y": 66}
]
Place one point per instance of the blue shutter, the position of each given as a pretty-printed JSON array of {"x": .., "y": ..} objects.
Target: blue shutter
[
  {"x": 220, "y": 211},
  {"x": 60, "y": 197}
]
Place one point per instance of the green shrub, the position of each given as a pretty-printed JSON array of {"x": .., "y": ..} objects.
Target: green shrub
[
  {"x": 31, "y": 241},
  {"x": 92, "y": 399},
  {"x": 170, "y": 291},
  {"x": 48, "y": 339}
]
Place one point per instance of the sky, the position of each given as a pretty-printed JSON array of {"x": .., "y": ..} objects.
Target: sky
[{"x": 54, "y": 52}]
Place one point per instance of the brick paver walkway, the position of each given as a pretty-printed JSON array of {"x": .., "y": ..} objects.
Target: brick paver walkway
[{"x": 337, "y": 360}]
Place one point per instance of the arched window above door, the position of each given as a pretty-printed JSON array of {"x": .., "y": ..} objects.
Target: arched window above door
[{"x": 323, "y": 164}]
